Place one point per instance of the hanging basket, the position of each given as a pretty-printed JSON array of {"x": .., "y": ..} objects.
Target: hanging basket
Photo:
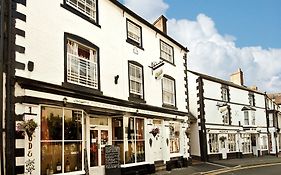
[{"x": 28, "y": 126}]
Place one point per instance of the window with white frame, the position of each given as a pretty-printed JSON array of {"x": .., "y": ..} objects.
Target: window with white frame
[
  {"x": 246, "y": 118},
  {"x": 168, "y": 91},
  {"x": 225, "y": 115},
  {"x": 232, "y": 142},
  {"x": 86, "y": 7},
  {"x": 166, "y": 52},
  {"x": 62, "y": 140},
  {"x": 213, "y": 143},
  {"x": 253, "y": 117},
  {"x": 263, "y": 143},
  {"x": 174, "y": 137},
  {"x": 134, "y": 35},
  {"x": 225, "y": 93},
  {"x": 246, "y": 143},
  {"x": 82, "y": 68},
  {"x": 251, "y": 99},
  {"x": 136, "y": 80}
]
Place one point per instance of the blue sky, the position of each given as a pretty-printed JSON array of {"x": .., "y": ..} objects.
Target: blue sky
[
  {"x": 224, "y": 35},
  {"x": 252, "y": 22}
]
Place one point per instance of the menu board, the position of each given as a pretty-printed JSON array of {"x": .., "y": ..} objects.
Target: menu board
[{"x": 112, "y": 157}]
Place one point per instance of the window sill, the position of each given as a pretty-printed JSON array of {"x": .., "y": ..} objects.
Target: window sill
[
  {"x": 82, "y": 88},
  {"x": 173, "y": 64},
  {"x": 136, "y": 99},
  {"x": 134, "y": 43},
  {"x": 76, "y": 12},
  {"x": 169, "y": 106}
]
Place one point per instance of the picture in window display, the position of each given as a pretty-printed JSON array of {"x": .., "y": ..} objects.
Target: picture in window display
[{"x": 61, "y": 140}]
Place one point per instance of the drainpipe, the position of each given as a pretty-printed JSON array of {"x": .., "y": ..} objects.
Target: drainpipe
[
  {"x": 9, "y": 59},
  {"x": 1, "y": 85}
]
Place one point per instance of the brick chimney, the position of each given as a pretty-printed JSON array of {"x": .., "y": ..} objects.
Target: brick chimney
[
  {"x": 237, "y": 77},
  {"x": 161, "y": 24}
]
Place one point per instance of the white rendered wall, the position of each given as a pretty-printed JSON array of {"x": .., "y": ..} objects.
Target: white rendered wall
[{"x": 44, "y": 45}]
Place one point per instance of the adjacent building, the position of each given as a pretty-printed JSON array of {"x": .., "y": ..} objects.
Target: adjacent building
[
  {"x": 91, "y": 74},
  {"x": 231, "y": 118},
  {"x": 274, "y": 123}
]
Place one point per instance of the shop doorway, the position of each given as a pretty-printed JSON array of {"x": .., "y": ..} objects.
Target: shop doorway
[
  {"x": 254, "y": 144},
  {"x": 99, "y": 137},
  {"x": 224, "y": 145},
  {"x": 157, "y": 145}
]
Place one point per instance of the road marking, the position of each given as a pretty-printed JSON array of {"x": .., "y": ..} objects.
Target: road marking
[{"x": 225, "y": 170}]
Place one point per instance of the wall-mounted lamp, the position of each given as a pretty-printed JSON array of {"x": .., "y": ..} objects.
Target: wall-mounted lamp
[
  {"x": 116, "y": 79},
  {"x": 64, "y": 101}
]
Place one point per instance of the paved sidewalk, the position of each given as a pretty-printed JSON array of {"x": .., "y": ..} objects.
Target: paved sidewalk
[{"x": 205, "y": 167}]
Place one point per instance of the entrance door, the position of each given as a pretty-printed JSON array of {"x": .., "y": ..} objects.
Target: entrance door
[
  {"x": 224, "y": 145},
  {"x": 98, "y": 141},
  {"x": 157, "y": 145},
  {"x": 254, "y": 144}
]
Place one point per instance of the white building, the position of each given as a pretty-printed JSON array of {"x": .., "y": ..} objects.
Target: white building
[
  {"x": 90, "y": 74},
  {"x": 274, "y": 123},
  {"x": 231, "y": 118}
]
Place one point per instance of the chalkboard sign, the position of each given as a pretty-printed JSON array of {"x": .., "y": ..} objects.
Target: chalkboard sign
[
  {"x": 86, "y": 164},
  {"x": 112, "y": 160}
]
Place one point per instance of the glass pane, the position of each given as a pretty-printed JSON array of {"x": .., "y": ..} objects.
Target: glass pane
[
  {"x": 94, "y": 148},
  {"x": 51, "y": 158},
  {"x": 51, "y": 123},
  {"x": 130, "y": 154},
  {"x": 103, "y": 156},
  {"x": 99, "y": 121},
  {"x": 104, "y": 137},
  {"x": 72, "y": 125},
  {"x": 140, "y": 128},
  {"x": 140, "y": 151},
  {"x": 120, "y": 144},
  {"x": 72, "y": 156},
  {"x": 131, "y": 129},
  {"x": 117, "y": 128}
]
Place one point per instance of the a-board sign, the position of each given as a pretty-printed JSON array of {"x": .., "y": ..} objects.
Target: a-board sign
[{"x": 112, "y": 157}]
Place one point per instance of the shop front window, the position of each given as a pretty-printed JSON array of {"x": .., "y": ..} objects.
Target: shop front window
[
  {"x": 174, "y": 137},
  {"x": 263, "y": 142},
  {"x": 246, "y": 143},
  {"x": 136, "y": 145},
  {"x": 61, "y": 140},
  {"x": 232, "y": 142},
  {"x": 214, "y": 143}
]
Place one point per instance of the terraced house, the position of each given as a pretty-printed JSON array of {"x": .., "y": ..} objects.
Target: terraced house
[
  {"x": 90, "y": 74},
  {"x": 232, "y": 120}
]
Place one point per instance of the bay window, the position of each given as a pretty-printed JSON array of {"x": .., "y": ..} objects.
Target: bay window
[
  {"x": 246, "y": 118},
  {"x": 61, "y": 140}
]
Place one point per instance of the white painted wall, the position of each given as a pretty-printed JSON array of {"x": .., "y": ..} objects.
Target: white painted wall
[{"x": 44, "y": 42}]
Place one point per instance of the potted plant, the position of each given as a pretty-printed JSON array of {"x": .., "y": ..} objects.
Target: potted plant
[
  {"x": 154, "y": 131},
  {"x": 28, "y": 126}
]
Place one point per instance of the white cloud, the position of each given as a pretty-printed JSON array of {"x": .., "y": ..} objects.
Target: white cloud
[
  {"x": 216, "y": 54},
  {"x": 148, "y": 9}
]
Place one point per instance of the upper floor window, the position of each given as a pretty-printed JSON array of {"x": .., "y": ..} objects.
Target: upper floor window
[
  {"x": 136, "y": 80},
  {"x": 168, "y": 91},
  {"x": 166, "y": 52},
  {"x": 86, "y": 7},
  {"x": 252, "y": 99},
  {"x": 82, "y": 67},
  {"x": 225, "y": 114},
  {"x": 225, "y": 93},
  {"x": 134, "y": 35},
  {"x": 253, "y": 116},
  {"x": 246, "y": 118}
]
